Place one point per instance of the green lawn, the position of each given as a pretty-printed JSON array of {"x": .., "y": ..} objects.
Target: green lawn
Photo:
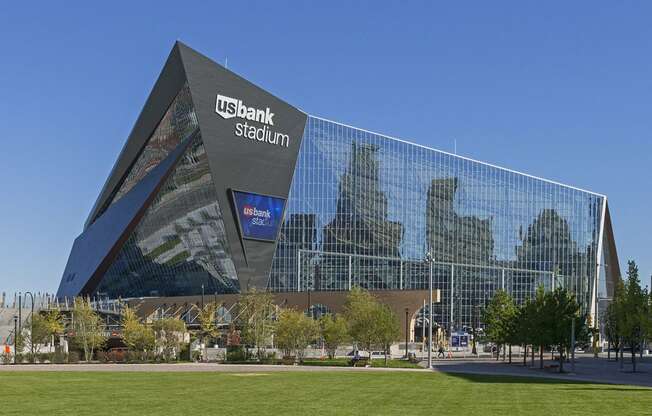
[{"x": 305, "y": 393}]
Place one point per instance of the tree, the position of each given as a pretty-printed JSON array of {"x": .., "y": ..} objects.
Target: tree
[
  {"x": 88, "y": 327},
  {"x": 388, "y": 328},
  {"x": 562, "y": 308},
  {"x": 524, "y": 326},
  {"x": 138, "y": 337},
  {"x": 633, "y": 312},
  {"x": 256, "y": 319},
  {"x": 335, "y": 333},
  {"x": 294, "y": 332},
  {"x": 360, "y": 313},
  {"x": 169, "y": 336},
  {"x": 540, "y": 323},
  {"x": 207, "y": 328},
  {"x": 54, "y": 324},
  {"x": 612, "y": 318},
  {"x": 37, "y": 333},
  {"x": 499, "y": 317}
]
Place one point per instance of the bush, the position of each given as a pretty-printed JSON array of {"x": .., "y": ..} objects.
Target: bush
[
  {"x": 269, "y": 358},
  {"x": 73, "y": 357},
  {"x": 133, "y": 356},
  {"x": 43, "y": 357},
  {"x": 118, "y": 355},
  {"x": 103, "y": 357},
  {"x": 7, "y": 358},
  {"x": 289, "y": 360},
  {"x": 236, "y": 353},
  {"x": 184, "y": 353},
  {"x": 59, "y": 357},
  {"x": 19, "y": 358},
  {"x": 361, "y": 362}
]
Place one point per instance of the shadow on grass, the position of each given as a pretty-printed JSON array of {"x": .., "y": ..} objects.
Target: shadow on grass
[{"x": 568, "y": 385}]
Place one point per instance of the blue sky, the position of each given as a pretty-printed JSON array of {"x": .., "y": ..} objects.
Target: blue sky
[{"x": 561, "y": 90}]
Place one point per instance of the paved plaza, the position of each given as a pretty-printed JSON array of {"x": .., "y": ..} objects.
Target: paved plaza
[{"x": 587, "y": 369}]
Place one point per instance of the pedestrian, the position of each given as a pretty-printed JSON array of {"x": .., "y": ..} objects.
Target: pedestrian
[{"x": 440, "y": 352}]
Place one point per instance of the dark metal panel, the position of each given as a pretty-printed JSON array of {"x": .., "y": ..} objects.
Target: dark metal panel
[
  {"x": 95, "y": 249},
  {"x": 167, "y": 86},
  {"x": 612, "y": 269},
  {"x": 239, "y": 163}
]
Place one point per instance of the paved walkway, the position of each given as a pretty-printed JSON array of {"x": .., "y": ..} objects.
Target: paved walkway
[
  {"x": 191, "y": 367},
  {"x": 587, "y": 368}
]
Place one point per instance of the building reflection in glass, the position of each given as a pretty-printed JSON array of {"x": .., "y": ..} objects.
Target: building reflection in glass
[{"x": 385, "y": 203}]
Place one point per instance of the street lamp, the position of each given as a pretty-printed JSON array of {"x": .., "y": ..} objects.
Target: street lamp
[
  {"x": 429, "y": 260},
  {"x": 15, "y": 336},
  {"x": 407, "y": 330},
  {"x": 31, "y": 329}
]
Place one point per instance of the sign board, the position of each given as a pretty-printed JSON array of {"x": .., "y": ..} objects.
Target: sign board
[{"x": 260, "y": 216}]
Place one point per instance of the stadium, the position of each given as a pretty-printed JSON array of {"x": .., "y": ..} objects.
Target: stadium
[{"x": 222, "y": 188}]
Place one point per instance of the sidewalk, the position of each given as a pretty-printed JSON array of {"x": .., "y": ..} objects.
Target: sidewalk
[{"x": 587, "y": 369}]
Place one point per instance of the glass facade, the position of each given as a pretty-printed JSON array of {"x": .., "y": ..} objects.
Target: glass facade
[
  {"x": 365, "y": 209},
  {"x": 178, "y": 123},
  {"x": 180, "y": 245}
]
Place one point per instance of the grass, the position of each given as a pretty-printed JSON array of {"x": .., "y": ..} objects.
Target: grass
[{"x": 301, "y": 393}]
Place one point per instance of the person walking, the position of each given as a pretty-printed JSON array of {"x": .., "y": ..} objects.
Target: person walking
[{"x": 440, "y": 352}]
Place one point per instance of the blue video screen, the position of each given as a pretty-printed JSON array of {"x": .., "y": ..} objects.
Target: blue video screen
[{"x": 260, "y": 216}]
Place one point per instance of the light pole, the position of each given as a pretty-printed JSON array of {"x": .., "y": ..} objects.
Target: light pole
[
  {"x": 429, "y": 259},
  {"x": 31, "y": 324},
  {"x": 15, "y": 337},
  {"x": 20, "y": 312},
  {"x": 407, "y": 330},
  {"x": 202, "y": 297}
]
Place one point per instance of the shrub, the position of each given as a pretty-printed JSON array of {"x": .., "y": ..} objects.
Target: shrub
[
  {"x": 269, "y": 358},
  {"x": 288, "y": 360},
  {"x": 43, "y": 357},
  {"x": 236, "y": 353},
  {"x": 73, "y": 357},
  {"x": 7, "y": 358},
  {"x": 59, "y": 357},
  {"x": 361, "y": 362}
]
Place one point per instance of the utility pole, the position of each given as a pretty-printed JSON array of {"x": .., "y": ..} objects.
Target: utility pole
[
  {"x": 573, "y": 345},
  {"x": 15, "y": 337},
  {"x": 31, "y": 330},
  {"x": 407, "y": 331},
  {"x": 429, "y": 258}
]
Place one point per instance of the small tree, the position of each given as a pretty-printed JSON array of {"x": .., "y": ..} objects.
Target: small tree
[
  {"x": 499, "y": 317},
  {"x": 36, "y": 333},
  {"x": 138, "y": 337},
  {"x": 633, "y": 312},
  {"x": 294, "y": 332},
  {"x": 256, "y": 319},
  {"x": 360, "y": 313},
  {"x": 562, "y": 309},
  {"x": 54, "y": 324},
  {"x": 335, "y": 333},
  {"x": 207, "y": 328},
  {"x": 524, "y": 327},
  {"x": 388, "y": 328},
  {"x": 88, "y": 327},
  {"x": 169, "y": 336}
]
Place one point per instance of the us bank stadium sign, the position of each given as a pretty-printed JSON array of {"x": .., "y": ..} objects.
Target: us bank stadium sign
[{"x": 258, "y": 124}]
